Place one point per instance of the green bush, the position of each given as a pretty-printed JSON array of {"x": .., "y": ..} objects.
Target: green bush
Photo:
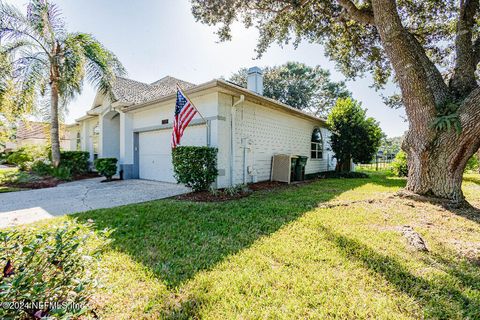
[
  {"x": 20, "y": 159},
  {"x": 196, "y": 167},
  {"x": 75, "y": 161},
  {"x": 41, "y": 168},
  {"x": 24, "y": 156},
  {"x": 62, "y": 173},
  {"x": 473, "y": 164},
  {"x": 54, "y": 265},
  {"x": 399, "y": 165},
  {"x": 107, "y": 167}
]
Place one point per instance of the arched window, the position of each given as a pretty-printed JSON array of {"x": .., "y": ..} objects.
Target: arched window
[
  {"x": 95, "y": 138},
  {"x": 317, "y": 144}
]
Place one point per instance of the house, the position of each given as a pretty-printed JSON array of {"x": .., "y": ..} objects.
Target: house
[
  {"x": 134, "y": 124},
  {"x": 38, "y": 134}
]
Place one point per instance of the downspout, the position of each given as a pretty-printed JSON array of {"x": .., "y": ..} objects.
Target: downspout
[{"x": 232, "y": 137}]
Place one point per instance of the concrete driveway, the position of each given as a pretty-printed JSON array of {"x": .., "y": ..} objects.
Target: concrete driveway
[{"x": 83, "y": 195}]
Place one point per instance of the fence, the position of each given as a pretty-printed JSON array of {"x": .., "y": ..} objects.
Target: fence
[{"x": 377, "y": 164}]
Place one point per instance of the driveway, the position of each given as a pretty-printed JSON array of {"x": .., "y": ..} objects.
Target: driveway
[{"x": 83, "y": 195}]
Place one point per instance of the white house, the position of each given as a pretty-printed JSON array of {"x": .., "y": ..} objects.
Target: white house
[{"x": 135, "y": 126}]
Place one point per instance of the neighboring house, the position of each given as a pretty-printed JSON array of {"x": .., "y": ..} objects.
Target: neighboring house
[
  {"x": 38, "y": 133},
  {"x": 246, "y": 127}
]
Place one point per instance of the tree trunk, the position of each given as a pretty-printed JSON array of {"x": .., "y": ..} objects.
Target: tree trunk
[
  {"x": 344, "y": 165},
  {"x": 436, "y": 159},
  {"x": 54, "y": 131},
  {"x": 436, "y": 168}
]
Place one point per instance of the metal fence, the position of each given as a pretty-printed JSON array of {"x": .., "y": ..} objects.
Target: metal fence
[{"x": 377, "y": 164}]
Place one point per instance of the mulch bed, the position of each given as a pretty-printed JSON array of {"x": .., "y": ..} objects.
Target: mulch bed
[
  {"x": 207, "y": 196},
  {"x": 87, "y": 175},
  {"x": 49, "y": 182},
  {"x": 221, "y": 195}
]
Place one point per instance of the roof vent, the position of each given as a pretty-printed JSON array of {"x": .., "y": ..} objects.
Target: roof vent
[{"x": 255, "y": 80}]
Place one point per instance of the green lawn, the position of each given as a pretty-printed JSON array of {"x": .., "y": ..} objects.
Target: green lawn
[{"x": 285, "y": 255}]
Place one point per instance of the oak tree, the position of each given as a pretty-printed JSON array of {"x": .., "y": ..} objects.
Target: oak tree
[{"x": 430, "y": 47}]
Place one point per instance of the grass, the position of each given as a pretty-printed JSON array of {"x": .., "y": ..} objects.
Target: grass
[
  {"x": 5, "y": 175},
  {"x": 285, "y": 255}
]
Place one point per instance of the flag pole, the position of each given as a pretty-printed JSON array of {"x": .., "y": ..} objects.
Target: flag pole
[{"x": 183, "y": 91}]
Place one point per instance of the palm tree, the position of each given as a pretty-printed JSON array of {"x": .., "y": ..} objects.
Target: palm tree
[{"x": 50, "y": 62}]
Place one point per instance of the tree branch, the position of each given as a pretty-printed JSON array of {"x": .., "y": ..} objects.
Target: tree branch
[
  {"x": 434, "y": 77},
  {"x": 418, "y": 96},
  {"x": 364, "y": 16},
  {"x": 463, "y": 80}
]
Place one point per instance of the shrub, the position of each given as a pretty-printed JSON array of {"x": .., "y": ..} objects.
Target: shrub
[
  {"x": 20, "y": 159},
  {"x": 62, "y": 173},
  {"x": 236, "y": 189},
  {"x": 399, "y": 165},
  {"x": 54, "y": 265},
  {"x": 24, "y": 156},
  {"x": 196, "y": 167},
  {"x": 75, "y": 161},
  {"x": 107, "y": 167},
  {"x": 41, "y": 168}
]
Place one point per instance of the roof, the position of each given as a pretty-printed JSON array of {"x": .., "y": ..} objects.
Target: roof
[
  {"x": 36, "y": 130},
  {"x": 135, "y": 92},
  {"x": 136, "y": 95},
  {"x": 231, "y": 87}
]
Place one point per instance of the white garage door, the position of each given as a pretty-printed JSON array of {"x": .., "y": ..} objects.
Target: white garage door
[{"x": 155, "y": 157}]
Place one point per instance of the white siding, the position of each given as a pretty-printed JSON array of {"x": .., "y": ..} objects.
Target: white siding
[
  {"x": 267, "y": 132},
  {"x": 208, "y": 106}
]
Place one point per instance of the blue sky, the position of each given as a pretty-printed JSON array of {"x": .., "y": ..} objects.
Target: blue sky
[{"x": 154, "y": 38}]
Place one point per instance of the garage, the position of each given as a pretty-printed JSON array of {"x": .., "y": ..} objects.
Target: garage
[{"x": 155, "y": 158}]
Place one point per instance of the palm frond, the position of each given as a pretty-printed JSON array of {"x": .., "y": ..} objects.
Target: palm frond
[
  {"x": 14, "y": 26},
  {"x": 102, "y": 66},
  {"x": 45, "y": 18}
]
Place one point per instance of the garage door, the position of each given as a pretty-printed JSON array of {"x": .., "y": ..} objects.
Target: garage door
[{"x": 155, "y": 157}]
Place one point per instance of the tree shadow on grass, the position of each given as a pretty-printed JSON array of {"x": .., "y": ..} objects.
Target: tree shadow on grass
[
  {"x": 177, "y": 239},
  {"x": 439, "y": 296}
]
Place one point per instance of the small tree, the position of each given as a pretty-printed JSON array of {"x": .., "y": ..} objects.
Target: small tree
[{"x": 354, "y": 136}]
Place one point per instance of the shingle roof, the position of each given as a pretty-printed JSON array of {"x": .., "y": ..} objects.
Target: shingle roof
[
  {"x": 131, "y": 91},
  {"x": 36, "y": 130}
]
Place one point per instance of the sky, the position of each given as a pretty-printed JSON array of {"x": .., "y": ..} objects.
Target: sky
[{"x": 155, "y": 38}]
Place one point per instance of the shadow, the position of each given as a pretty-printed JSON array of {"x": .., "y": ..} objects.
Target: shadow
[
  {"x": 439, "y": 295},
  {"x": 176, "y": 239}
]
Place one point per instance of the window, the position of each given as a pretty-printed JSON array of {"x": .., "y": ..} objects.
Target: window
[
  {"x": 317, "y": 144},
  {"x": 95, "y": 138},
  {"x": 79, "y": 140}
]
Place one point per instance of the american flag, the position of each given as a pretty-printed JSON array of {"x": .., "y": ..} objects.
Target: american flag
[{"x": 184, "y": 113}]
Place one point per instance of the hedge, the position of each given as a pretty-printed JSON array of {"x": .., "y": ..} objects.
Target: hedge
[
  {"x": 75, "y": 161},
  {"x": 196, "y": 167}
]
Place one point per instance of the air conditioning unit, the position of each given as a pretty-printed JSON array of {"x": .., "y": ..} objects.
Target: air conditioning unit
[{"x": 282, "y": 168}]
